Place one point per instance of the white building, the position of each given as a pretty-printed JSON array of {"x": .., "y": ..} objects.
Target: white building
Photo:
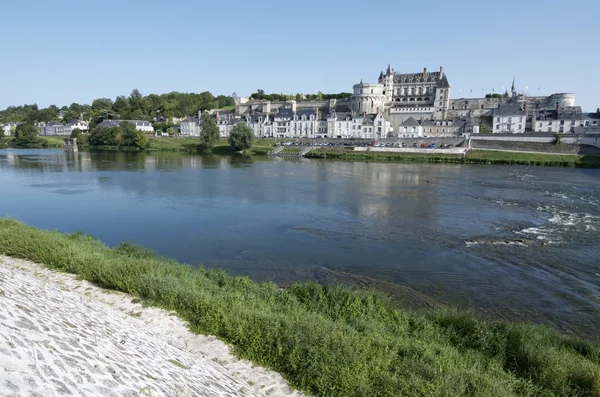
[
  {"x": 9, "y": 128},
  {"x": 190, "y": 127},
  {"x": 56, "y": 129},
  {"x": 509, "y": 119},
  {"x": 304, "y": 123},
  {"x": 591, "y": 122},
  {"x": 562, "y": 120},
  {"x": 282, "y": 123},
  {"x": 140, "y": 125},
  {"x": 82, "y": 125},
  {"x": 410, "y": 128},
  {"x": 433, "y": 128}
]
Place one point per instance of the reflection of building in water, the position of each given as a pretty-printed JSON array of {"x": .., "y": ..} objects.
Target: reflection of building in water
[{"x": 383, "y": 187}]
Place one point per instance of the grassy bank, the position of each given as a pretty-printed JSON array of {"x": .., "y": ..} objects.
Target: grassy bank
[
  {"x": 55, "y": 142},
  {"x": 193, "y": 145},
  {"x": 330, "y": 341},
  {"x": 472, "y": 157}
]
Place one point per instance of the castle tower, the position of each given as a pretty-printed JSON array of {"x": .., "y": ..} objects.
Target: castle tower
[
  {"x": 388, "y": 84},
  {"x": 368, "y": 97}
]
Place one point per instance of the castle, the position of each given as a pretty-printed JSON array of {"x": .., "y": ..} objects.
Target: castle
[{"x": 407, "y": 105}]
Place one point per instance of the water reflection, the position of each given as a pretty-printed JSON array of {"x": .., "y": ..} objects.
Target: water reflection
[{"x": 283, "y": 220}]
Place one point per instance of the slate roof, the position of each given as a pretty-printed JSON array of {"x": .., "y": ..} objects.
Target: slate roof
[
  {"x": 285, "y": 113},
  {"x": 416, "y": 77},
  {"x": 190, "y": 120},
  {"x": 369, "y": 119},
  {"x": 443, "y": 82},
  {"x": 305, "y": 112},
  {"x": 509, "y": 110},
  {"x": 410, "y": 122},
  {"x": 592, "y": 115},
  {"x": 109, "y": 123},
  {"x": 115, "y": 123},
  {"x": 344, "y": 115}
]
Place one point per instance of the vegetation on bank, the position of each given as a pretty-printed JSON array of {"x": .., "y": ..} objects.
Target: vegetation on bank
[
  {"x": 473, "y": 156},
  {"x": 42, "y": 142},
  {"x": 330, "y": 341}
]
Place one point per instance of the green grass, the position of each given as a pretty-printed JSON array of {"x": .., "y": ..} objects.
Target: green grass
[
  {"x": 327, "y": 340},
  {"x": 472, "y": 157},
  {"x": 261, "y": 146},
  {"x": 291, "y": 151},
  {"x": 55, "y": 142},
  {"x": 558, "y": 160}
]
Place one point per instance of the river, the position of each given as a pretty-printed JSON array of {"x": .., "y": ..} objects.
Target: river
[{"x": 512, "y": 242}]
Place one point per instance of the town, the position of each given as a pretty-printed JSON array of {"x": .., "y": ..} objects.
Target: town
[{"x": 398, "y": 105}]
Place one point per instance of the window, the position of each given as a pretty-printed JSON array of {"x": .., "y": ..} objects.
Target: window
[
  {"x": 520, "y": 126},
  {"x": 498, "y": 119},
  {"x": 562, "y": 122},
  {"x": 497, "y": 126},
  {"x": 510, "y": 119}
]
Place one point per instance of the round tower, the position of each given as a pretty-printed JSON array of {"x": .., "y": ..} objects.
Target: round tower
[
  {"x": 561, "y": 100},
  {"x": 368, "y": 97}
]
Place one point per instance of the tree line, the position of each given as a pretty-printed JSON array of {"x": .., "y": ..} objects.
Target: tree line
[
  {"x": 133, "y": 107},
  {"x": 261, "y": 95}
]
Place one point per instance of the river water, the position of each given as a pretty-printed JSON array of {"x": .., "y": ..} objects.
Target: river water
[{"x": 512, "y": 242}]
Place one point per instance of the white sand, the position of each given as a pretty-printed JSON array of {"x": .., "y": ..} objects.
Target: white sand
[{"x": 62, "y": 336}]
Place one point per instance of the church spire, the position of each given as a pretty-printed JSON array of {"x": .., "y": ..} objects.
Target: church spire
[
  {"x": 389, "y": 69},
  {"x": 512, "y": 88}
]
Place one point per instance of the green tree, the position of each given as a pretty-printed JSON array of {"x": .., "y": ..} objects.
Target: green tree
[
  {"x": 82, "y": 139},
  {"x": 557, "y": 139},
  {"x": 241, "y": 137},
  {"x": 105, "y": 136},
  {"x": 102, "y": 104},
  {"x": 132, "y": 137},
  {"x": 1, "y": 131},
  {"x": 75, "y": 133},
  {"x": 209, "y": 131},
  {"x": 319, "y": 96},
  {"x": 25, "y": 135}
]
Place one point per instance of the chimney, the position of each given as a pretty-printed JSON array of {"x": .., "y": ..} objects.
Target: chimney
[
  {"x": 441, "y": 72},
  {"x": 425, "y": 72}
]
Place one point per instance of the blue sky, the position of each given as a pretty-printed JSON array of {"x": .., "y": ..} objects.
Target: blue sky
[{"x": 67, "y": 51}]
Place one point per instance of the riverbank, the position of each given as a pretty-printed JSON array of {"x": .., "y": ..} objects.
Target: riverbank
[
  {"x": 61, "y": 335},
  {"x": 45, "y": 142},
  {"x": 472, "y": 156},
  {"x": 330, "y": 340}
]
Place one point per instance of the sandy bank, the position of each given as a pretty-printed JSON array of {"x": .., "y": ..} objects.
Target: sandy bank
[{"x": 62, "y": 336}]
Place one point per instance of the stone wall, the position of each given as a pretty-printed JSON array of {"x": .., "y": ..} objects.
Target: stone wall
[{"x": 536, "y": 147}]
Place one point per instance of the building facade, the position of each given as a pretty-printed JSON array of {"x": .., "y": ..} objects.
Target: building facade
[
  {"x": 56, "y": 129},
  {"x": 190, "y": 127},
  {"x": 509, "y": 119},
  {"x": 140, "y": 125}
]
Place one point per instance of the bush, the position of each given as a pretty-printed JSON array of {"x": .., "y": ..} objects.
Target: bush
[
  {"x": 25, "y": 135},
  {"x": 241, "y": 137}
]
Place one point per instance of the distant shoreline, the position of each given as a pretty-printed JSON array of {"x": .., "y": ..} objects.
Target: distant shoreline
[{"x": 263, "y": 147}]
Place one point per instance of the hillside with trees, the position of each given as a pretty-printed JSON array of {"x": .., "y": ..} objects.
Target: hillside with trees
[{"x": 133, "y": 107}]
